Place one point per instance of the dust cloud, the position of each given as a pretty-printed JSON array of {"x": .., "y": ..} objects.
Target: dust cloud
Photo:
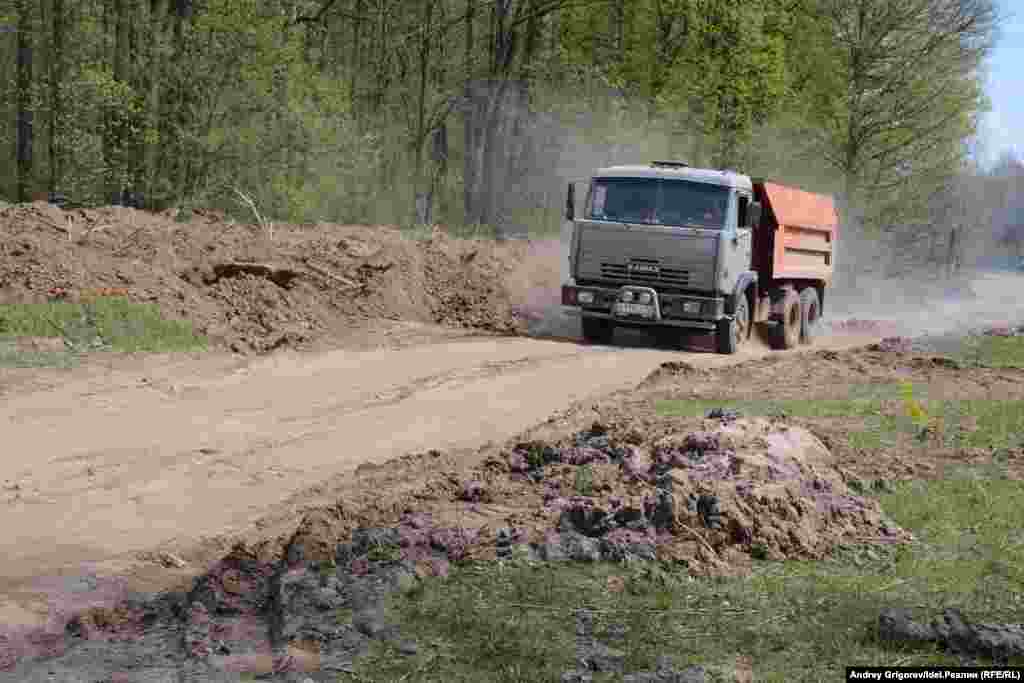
[
  {"x": 878, "y": 279},
  {"x": 919, "y": 304},
  {"x": 535, "y": 287}
]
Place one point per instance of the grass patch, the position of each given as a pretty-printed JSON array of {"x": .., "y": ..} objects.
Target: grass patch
[
  {"x": 797, "y": 621},
  {"x": 106, "y": 324},
  {"x": 976, "y": 423},
  {"x": 13, "y": 357},
  {"x": 994, "y": 352},
  {"x": 865, "y": 404}
]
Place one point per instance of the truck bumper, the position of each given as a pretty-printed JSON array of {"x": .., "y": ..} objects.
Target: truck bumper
[
  {"x": 629, "y": 322},
  {"x": 670, "y": 307}
]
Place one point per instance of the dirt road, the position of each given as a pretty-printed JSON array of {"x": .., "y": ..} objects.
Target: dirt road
[{"x": 100, "y": 467}]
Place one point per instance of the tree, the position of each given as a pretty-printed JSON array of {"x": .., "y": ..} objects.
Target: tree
[
  {"x": 26, "y": 121},
  {"x": 1009, "y": 221},
  {"x": 347, "y": 110},
  {"x": 739, "y": 48},
  {"x": 901, "y": 91},
  {"x": 57, "y": 76}
]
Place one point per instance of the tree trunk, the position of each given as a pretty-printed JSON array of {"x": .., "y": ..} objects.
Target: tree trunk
[
  {"x": 113, "y": 133},
  {"x": 953, "y": 255},
  {"x": 180, "y": 104},
  {"x": 25, "y": 114},
  {"x": 56, "y": 108},
  {"x": 495, "y": 161},
  {"x": 421, "y": 194},
  {"x": 619, "y": 11},
  {"x": 156, "y": 72},
  {"x": 356, "y": 59},
  {"x": 470, "y": 117}
]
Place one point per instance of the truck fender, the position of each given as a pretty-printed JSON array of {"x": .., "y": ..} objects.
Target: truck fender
[{"x": 744, "y": 281}]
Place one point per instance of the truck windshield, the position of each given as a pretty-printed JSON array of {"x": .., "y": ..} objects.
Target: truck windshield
[{"x": 658, "y": 201}]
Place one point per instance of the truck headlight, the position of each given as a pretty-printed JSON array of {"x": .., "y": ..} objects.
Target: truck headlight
[
  {"x": 691, "y": 307},
  {"x": 645, "y": 297},
  {"x": 585, "y": 297}
]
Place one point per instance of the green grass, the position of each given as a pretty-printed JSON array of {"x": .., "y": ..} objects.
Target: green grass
[
  {"x": 798, "y": 621},
  {"x": 107, "y": 324},
  {"x": 999, "y": 424},
  {"x": 995, "y": 352},
  {"x": 12, "y": 357},
  {"x": 866, "y": 405}
]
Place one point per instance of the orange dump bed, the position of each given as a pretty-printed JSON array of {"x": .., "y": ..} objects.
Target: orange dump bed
[{"x": 797, "y": 233}]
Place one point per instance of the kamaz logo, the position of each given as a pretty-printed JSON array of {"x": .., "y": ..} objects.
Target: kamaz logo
[{"x": 644, "y": 268}]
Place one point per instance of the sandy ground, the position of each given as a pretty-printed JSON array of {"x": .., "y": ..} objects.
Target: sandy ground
[
  {"x": 129, "y": 454},
  {"x": 110, "y": 463}
]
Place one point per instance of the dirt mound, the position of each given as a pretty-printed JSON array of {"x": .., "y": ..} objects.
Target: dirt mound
[
  {"x": 709, "y": 497},
  {"x": 706, "y": 493},
  {"x": 254, "y": 290}
]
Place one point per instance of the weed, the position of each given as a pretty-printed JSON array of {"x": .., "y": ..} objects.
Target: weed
[
  {"x": 797, "y": 620},
  {"x": 106, "y": 324},
  {"x": 584, "y": 481},
  {"x": 992, "y": 351},
  {"x": 975, "y": 423},
  {"x": 381, "y": 552}
]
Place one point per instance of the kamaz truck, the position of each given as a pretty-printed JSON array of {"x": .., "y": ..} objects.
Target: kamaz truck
[{"x": 675, "y": 249}]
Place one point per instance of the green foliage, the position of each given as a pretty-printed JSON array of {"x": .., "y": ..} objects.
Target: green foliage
[
  {"x": 584, "y": 481},
  {"x": 331, "y": 115},
  {"x": 898, "y": 99},
  {"x": 995, "y": 352},
  {"x": 978, "y": 423},
  {"x": 102, "y": 123},
  {"x": 740, "y": 51}
]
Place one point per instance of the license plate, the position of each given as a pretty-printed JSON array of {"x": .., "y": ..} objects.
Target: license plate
[{"x": 639, "y": 310}]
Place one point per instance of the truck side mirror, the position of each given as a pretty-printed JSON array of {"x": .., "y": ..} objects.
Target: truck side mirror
[
  {"x": 754, "y": 214},
  {"x": 570, "y": 203}
]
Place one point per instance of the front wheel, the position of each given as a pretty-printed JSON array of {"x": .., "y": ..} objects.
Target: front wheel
[
  {"x": 597, "y": 330},
  {"x": 731, "y": 333}
]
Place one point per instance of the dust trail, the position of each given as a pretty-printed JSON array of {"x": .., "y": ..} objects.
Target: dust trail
[
  {"x": 535, "y": 287},
  {"x": 912, "y": 306},
  {"x": 928, "y": 306}
]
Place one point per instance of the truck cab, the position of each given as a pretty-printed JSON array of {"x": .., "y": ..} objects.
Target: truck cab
[{"x": 672, "y": 247}]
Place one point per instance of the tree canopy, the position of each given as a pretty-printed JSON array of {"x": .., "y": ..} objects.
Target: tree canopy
[{"x": 470, "y": 111}]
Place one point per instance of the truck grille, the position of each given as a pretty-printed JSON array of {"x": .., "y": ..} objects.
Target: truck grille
[{"x": 672, "y": 277}]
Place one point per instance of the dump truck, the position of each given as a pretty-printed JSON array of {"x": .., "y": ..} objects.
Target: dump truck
[{"x": 674, "y": 248}]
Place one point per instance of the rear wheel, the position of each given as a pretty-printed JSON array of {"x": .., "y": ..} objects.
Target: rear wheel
[
  {"x": 786, "y": 332},
  {"x": 810, "y": 315},
  {"x": 597, "y": 330},
  {"x": 731, "y": 334}
]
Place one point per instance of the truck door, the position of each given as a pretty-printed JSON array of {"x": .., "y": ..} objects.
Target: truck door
[{"x": 743, "y": 244}]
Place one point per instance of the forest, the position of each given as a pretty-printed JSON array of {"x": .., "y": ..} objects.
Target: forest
[{"x": 477, "y": 112}]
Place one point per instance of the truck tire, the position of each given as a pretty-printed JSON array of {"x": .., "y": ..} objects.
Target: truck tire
[
  {"x": 597, "y": 330},
  {"x": 785, "y": 333},
  {"x": 731, "y": 333},
  {"x": 810, "y": 315}
]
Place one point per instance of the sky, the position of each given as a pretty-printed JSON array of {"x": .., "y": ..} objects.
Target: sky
[{"x": 1002, "y": 129}]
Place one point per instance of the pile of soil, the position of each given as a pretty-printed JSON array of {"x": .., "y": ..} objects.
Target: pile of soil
[
  {"x": 708, "y": 494},
  {"x": 251, "y": 289}
]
